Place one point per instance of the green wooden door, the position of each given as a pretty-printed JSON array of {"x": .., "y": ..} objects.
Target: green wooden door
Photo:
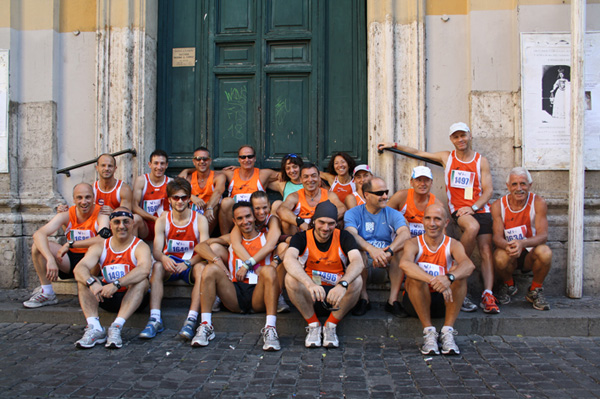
[{"x": 282, "y": 75}]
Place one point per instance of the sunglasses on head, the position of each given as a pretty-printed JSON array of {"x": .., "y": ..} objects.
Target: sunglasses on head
[
  {"x": 290, "y": 156},
  {"x": 180, "y": 197},
  {"x": 328, "y": 307},
  {"x": 379, "y": 193},
  {"x": 202, "y": 159},
  {"x": 246, "y": 156}
]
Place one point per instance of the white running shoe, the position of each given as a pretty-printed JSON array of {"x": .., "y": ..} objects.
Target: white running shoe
[
  {"x": 204, "y": 333},
  {"x": 39, "y": 299},
  {"x": 282, "y": 306},
  {"x": 313, "y": 337},
  {"x": 216, "y": 307},
  {"x": 330, "y": 338},
  {"x": 114, "y": 340},
  {"x": 270, "y": 338},
  {"x": 449, "y": 347},
  {"x": 91, "y": 337},
  {"x": 430, "y": 343}
]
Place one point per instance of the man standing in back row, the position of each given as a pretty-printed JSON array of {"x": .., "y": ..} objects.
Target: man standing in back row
[{"x": 469, "y": 189}]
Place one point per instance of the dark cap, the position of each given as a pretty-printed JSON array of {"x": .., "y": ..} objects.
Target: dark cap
[{"x": 325, "y": 210}]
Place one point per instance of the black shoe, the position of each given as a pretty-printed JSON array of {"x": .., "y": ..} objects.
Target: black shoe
[
  {"x": 362, "y": 307},
  {"x": 396, "y": 309}
]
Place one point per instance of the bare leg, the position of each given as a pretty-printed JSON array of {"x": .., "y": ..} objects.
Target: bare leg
[
  {"x": 156, "y": 285},
  {"x": 396, "y": 275},
  {"x": 266, "y": 292},
  {"x": 132, "y": 299},
  {"x": 215, "y": 281},
  {"x": 459, "y": 291},
  {"x": 300, "y": 297},
  {"x": 484, "y": 242},
  {"x": 420, "y": 297},
  {"x": 541, "y": 261},
  {"x": 226, "y": 215},
  {"x": 197, "y": 271},
  {"x": 470, "y": 227},
  {"x": 39, "y": 262}
]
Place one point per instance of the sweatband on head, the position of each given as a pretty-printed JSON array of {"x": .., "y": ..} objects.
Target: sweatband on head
[{"x": 116, "y": 214}]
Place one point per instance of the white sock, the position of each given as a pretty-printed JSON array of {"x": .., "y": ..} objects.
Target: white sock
[
  {"x": 315, "y": 324},
  {"x": 192, "y": 314},
  {"x": 271, "y": 320},
  {"x": 330, "y": 324},
  {"x": 47, "y": 289},
  {"x": 119, "y": 322},
  {"x": 488, "y": 292},
  {"x": 206, "y": 318},
  {"x": 94, "y": 322},
  {"x": 428, "y": 329},
  {"x": 155, "y": 314},
  {"x": 446, "y": 329}
]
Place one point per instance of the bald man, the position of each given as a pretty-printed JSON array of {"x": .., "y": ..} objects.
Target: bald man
[{"x": 83, "y": 225}]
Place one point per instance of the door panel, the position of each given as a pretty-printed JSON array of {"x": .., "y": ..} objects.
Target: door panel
[{"x": 235, "y": 116}]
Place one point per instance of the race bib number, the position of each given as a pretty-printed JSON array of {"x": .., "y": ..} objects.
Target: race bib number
[
  {"x": 179, "y": 246},
  {"x": 462, "y": 179},
  {"x": 153, "y": 207},
  {"x": 416, "y": 229},
  {"x": 432, "y": 269},
  {"x": 195, "y": 208},
  {"x": 516, "y": 233},
  {"x": 79, "y": 235},
  {"x": 324, "y": 278},
  {"x": 114, "y": 272},
  {"x": 241, "y": 197},
  {"x": 379, "y": 244}
]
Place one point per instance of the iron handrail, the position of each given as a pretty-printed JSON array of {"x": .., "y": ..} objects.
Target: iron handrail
[
  {"x": 67, "y": 171},
  {"x": 408, "y": 154}
]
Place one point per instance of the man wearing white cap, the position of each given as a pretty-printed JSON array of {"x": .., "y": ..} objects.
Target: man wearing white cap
[
  {"x": 362, "y": 174},
  {"x": 413, "y": 201},
  {"x": 469, "y": 188}
]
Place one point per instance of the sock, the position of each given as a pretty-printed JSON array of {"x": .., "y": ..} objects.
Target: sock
[
  {"x": 192, "y": 314},
  {"x": 119, "y": 322},
  {"x": 313, "y": 319},
  {"x": 510, "y": 282},
  {"x": 206, "y": 318},
  {"x": 331, "y": 319},
  {"x": 155, "y": 314},
  {"x": 47, "y": 289},
  {"x": 271, "y": 321},
  {"x": 488, "y": 292},
  {"x": 428, "y": 329},
  {"x": 446, "y": 329},
  {"x": 534, "y": 285},
  {"x": 94, "y": 322}
]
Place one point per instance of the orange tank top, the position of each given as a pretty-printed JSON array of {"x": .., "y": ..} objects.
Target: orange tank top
[
  {"x": 359, "y": 199},
  {"x": 342, "y": 190},
  {"x": 413, "y": 216},
  {"x": 110, "y": 198},
  {"x": 154, "y": 198},
  {"x": 520, "y": 224},
  {"x": 203, "y": 193},
  {"x": 463, "y": 182},
  {"x": 241, "y": 190},
  {"x": 436, "y": 262},
  {"x": 81, "y": 231},
  {"x": 181, "y": 240},
  {"x": 252, "y": 247},
  {"x": 304, "y": 210},
  {"x": 325, "y": 268},
  {"x": 115, "y": 265}
]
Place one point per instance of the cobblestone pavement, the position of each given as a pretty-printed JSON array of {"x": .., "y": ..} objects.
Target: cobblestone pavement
[{"x": 40, "y": 360}]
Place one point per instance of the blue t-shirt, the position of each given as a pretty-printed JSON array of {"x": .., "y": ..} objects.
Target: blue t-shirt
[{"x": 378, "y": 230}]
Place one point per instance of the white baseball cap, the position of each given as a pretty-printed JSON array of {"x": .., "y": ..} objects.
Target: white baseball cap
[
  {"x": 421, "y": 171},
  {"x": 364, "y": 167},
  {"x": 459, "y": 127}
]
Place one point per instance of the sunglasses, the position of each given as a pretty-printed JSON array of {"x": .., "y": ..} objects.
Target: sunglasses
[
  {"x": 328, "y": 307},
  {"x": 290, "y": 156},
  {"x": 246, "y": 156},
  {"x": 202, "y": 159},
  {"x": 379, "y": 193},
  {"x": 183, "y": 198}
]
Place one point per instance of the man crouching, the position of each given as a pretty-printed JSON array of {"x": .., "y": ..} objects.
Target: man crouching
[{"x": 437, "y": 269}]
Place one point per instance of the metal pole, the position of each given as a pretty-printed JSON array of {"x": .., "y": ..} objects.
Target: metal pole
[{"x": 576, "y": 170}]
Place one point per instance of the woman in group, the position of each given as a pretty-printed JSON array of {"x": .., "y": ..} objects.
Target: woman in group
[
  {"x": 289, "y": 178},
  {"x": 339, "y": 176},
  {"x": 362, "y": 174}
]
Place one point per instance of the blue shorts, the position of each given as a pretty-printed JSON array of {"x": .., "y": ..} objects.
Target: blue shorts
[{"x": 185, "y": 276}]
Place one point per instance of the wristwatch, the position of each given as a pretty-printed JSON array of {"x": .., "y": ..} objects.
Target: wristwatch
[
  {"x": 277, "y": 259},
  {"x": 90, "y": 281},
  {"x": 474, "y": 207},
  {"x": 71, "y": 242},
  {"x": 343, "y": 283},
  {"x": 299, "y": 221},
  {"x": 389, "y": 250},
  {"x": 187, "y": 263},
  {"x": 117, "y": 284},
  {"x": 451, "y": 277}
]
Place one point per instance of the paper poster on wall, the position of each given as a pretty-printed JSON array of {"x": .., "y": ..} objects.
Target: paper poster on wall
[
  {"x": 546, "y": 100},
  {"x": 4, "y": 111}
]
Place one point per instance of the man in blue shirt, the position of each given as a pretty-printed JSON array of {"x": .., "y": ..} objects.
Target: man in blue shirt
[{"x": 380, "y": 232}]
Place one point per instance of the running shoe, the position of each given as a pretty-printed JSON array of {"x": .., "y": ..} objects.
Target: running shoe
[
  {"x": 430, "y": 343},
  {"x": 152, "y": 328},
  {"x": 468, "y": 305},
  {"x": 396, "y": 309},
  {"x": 187, "y": 331},
  {"x": 216, "y": 307},
  {"x": 91, "y": 337},
  {"x": 39, "y": 299},
  {"x": 114, "y": 340},
  {"x": 204, "y": 333},
  {"x": 313, "y": 336},
  {"x": 282, "y": 306},
  {"x": 270, "y": 338},
  {"x": 538, "y": 299},
  {"x": 505, "y": 292},
  {"x": 362, "y": 307},
  {"x": 449, "y": 347},
  {"x": 330, "y": 338},
  {"x": 489, "y": 304}
]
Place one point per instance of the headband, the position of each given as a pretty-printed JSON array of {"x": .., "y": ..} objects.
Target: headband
[{"x": 121, "y": 213}]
